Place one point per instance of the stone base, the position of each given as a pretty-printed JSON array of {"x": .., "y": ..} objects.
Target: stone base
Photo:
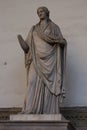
[
  {"x": 33, "y": 125},
  {"x": 36, "y": 122},
  {"x": 37, "y": 117}
]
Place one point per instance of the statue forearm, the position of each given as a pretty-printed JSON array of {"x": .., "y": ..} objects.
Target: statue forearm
[
  {"x": 62, "y": 41},
  {"x": 23, "y": 44}
]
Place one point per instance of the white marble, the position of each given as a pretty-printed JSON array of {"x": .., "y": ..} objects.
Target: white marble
[{"x": 37, "y": 117}]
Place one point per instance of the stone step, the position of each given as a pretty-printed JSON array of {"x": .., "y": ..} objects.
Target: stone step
[{"x": 35, "y": 125}]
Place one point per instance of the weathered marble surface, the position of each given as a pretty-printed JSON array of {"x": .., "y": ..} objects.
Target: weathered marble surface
[
  {"x": 36, "y": 117},
  {"x": 27, "y": 125}
]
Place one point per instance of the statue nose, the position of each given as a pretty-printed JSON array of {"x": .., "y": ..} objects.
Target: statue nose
[{"x": 40, "y": 13}]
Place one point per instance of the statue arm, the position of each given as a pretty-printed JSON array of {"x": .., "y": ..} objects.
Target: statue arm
[
  {"x": 60, "y": 39},
  {"x": 23, "y": 44}
]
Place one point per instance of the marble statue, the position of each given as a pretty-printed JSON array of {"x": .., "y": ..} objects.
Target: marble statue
[{"x": 45, "y": 53}]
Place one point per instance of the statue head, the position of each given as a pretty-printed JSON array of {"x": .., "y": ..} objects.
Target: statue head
[{"x": 43, "y": 12}]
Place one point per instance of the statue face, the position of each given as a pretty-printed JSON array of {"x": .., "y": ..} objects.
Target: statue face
[{"x": 42, "y": 14}]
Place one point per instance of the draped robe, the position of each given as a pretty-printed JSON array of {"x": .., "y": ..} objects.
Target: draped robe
[{"x": 45, "y": 62}]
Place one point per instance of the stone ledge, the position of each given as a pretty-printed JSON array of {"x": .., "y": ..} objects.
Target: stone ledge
[{"x": 29, "y": 125}]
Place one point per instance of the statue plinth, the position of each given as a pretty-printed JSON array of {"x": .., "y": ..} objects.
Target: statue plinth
[
  {"x": 37, "y": 117},
  {"x": 39, "y": 122}
]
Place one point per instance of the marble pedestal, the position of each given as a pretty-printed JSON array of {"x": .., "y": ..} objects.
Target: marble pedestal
[
  {"x": 36, "y": 122},
  {"x": 37, "y": 117}
]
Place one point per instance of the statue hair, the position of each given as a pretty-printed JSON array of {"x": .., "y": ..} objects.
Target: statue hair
[{"x": 45, "y": 9}]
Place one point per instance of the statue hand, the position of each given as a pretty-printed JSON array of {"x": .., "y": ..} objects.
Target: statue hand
[{"x": 63, "y": 41}]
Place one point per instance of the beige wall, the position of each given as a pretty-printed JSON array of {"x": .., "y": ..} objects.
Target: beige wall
[{"x": 17, "y": 16}]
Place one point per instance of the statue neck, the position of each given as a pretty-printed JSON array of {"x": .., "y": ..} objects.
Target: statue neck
[{"x": 43, "y": 23}]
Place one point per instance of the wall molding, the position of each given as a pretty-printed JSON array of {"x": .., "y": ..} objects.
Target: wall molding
[
  {"x": 6, "y": 112},
  {"x": 77, "y": 115}
]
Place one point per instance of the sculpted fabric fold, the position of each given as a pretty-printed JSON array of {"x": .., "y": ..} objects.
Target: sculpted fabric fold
[{"x": 45, "y": 63}]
